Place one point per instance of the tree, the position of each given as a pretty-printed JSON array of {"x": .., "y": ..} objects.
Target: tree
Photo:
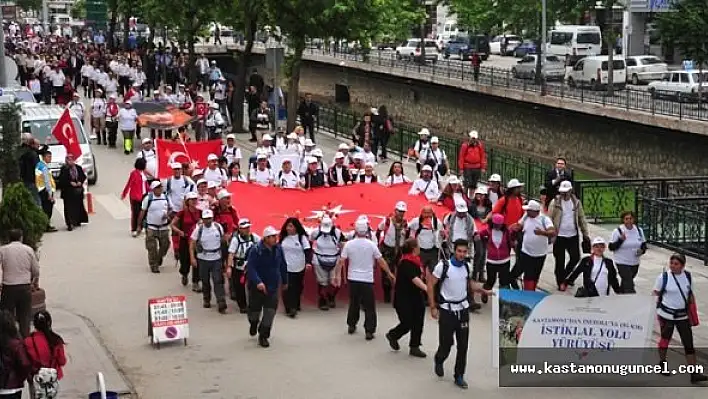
[
  {"x": 396, "y": 19},
  {"x": 299, "y": 20},
  {"x": 19, "y": 211},
  {"x": 9, "y": 143},
  {"x": 686, "y": 27},
  {"x": 480, "y": 15},
  {"x": 78, "y": 9}
]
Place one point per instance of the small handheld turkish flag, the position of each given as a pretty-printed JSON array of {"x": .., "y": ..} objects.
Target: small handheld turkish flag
[{"x": 66, "y": 134}]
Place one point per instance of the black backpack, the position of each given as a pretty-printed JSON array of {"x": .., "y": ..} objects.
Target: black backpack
[{"x": 438, "y": 286}]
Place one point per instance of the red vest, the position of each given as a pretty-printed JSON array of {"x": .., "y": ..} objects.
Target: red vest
[{"x": 112, "y": 110}]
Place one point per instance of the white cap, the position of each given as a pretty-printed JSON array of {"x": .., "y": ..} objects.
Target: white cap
[
  {"x": 427, "y": 168},
  {"x": 261, "y": 151},
  {"x": 112, "y": 95},
  {"x": 261, "y": 156},
  {"x": 176, "y": 165},
  {"x": 338, "y": 155},
  {"x": 343, "y": 146},
  {"x": 453, "y": 180},
  {"x": 598, "y": 241},
  {"x": 374, "y": 111},
  {"x": 270, "y": 231},
  {"x": 191, "y": 195},
  {"x": 213, "y": 62},
  {"x": 359, "y": 156},
  {"x": 266, "y": 137},
  {"x": 309, "y": 143},
  {"x": 401, "y": 206},
  {"x": 461, "y": 206},
  {"x": 155, "y": 184},
  {"x": 202, "y": 181},
  {"x": 532, "y": 206},
  {"x": 513, "y": 183},
  {"x": 212, "y": 157},
  {"x": 311, "y": 160},
  {"x": 424, "y": 131},
  {"x": 317, "y": 152},
  {"x": 434, "y": 140},
  {"x": 565, "y": 187},
  {"x": 230, "y": 137},
  {"x": 214, "y": 106},
  {"x": 207, "y": 214},
  {"x": 223, "y": 194},
  {"x": 292, "y": 136},
  {"x": 481, "y": 190},
  {"x": 495, "y": 177},
  {"x": 197, "y": 172},
  {"x": 361, "y": 226},
  {"x": 326, "y": 223},
  {"x": 128, "y": 102},
  {"x": 243, "y": 223},
  {"x": 147, "y": 140},
  {"x": 474, "y": 134},
  {"x": 212, "y": 184}
]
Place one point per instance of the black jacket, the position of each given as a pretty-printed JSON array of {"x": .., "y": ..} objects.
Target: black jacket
[
  {"x": 28, "y": 162},
  {"x": 318, "y": 179},
  {"x": 585, "y": 267},
  {"x": 307, "y": 112},
  {"x": 64, "y": 182},
  {"x": 332, "y": 175},
  {"x": 552, "y": 189}
]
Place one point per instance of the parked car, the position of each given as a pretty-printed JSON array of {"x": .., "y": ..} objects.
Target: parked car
[
  {"x": 464, "y": 47},
  {"x": 410, "y": 50},
  {"x": 553, "y": 69},
  {"x": 526, "y": 47},
  {"x": 680, "y": 86},
  {"x": 496, "y": 44},
  {"x": 645, "y": 68},
  {"x": 593, "y": 72}
]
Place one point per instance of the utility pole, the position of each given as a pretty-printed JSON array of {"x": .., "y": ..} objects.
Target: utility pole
[
  {"x": 542, "y": 50},
  {"x": 3, "y": 69},
  {"x": 45, "y": 16}
]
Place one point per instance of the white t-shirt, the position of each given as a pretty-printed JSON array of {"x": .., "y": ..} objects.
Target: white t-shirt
[
  {"x": 429, "y": 237},
  {"x": 459, "y": 228},
  {"x": 263, "y": 177},
  {"x": 232, "y": 154},
  {"x": 210, "y": 241},
  {"x": 672, "y": 298},
  {"x": 389, "y": 234},
  {"x": 177, "y": 189},
  {"x": 294, "y": 247},
  {"x": 599, "y": 275},
  {"x": 454, "y": 287},
  {"x": 362, "y": 254},
  {"x": 393, "y": 179},
  {"x": 57, "y": 78},
  {"x": 535, "y": 245},
  {"x": 326, "y": 243},
  {"x": 127, "y": 119},
  {"x": 567, "y": 226},
  {"x": 217, "y": 175},
  {"x": 98, "y": 108},
  {"x": 156, "y": 211},
  {"x": 430, "y": 189},
  {"x": 626, "y": 254},
  {"x": 150, "y": 157},
  {"x": 288, "y": 180}
]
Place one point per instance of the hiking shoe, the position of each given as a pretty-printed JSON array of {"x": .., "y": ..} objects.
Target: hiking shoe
[
  {"x": 332, "y": 303},
  {"x": 222, "y": 308},
  {"x": 439, "y": 371},
  {"x": 322, "y": 304},
  {"x": 263, "y": 341},
  {"x": 206, "y": 304},
  {"x": 351, "y": 330},
  {"x": 460, "y": 382},
  {"x": 393, "y": 343},
  {"x": 253, "y": 329},
  {"x": 154, "y": 269},
  {"x": 369, "y": 336},
  {"x": 185, "y": 281},
  {"x": 196, "y": 287},
  {"x": 416, "y": 352}
]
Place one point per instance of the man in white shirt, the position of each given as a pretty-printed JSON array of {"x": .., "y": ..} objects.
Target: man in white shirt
[
  {"x": 98, "y": 117},
  {"x": 220, "y": 98},
  {"x": 261, "y": 174},
  {"x": 566, "y": 212},
  {"x": 138, "y": 77},
  {"x": 155, "y": 210},
  {"x": 426, "y": 185},
  {"x": 359, "y": 258},
  {"x": 57, "y": 78},
  {"x": 202, "y": 65},
  {"x": 426, "y": 230},
  {"x": 287, "y": 177},
  {"x": 86, "y": 73},
  {"x": 392, "y": 233},
  {"x": 127, "y": 123},
  {"x": 205, "y": 248},
  {"x": 214, "y": 173},
  {"x": 230, "y": 150},
  {"x": 76, "y": 107},
  {"x": 537, "y": 230},
  {"x": 241, "y": 243},
  {"x": 177, "y": 186},
  {"x": 214, "y": 122},
  {"x": 148, "y": 152}
]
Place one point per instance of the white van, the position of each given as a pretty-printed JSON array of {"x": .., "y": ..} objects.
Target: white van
[
  {"x": 449, "y": 31},
  {"x": 575, "y": 40},
  {"x": 39, "y": 120},
  {"x": 593, "y": 72}
]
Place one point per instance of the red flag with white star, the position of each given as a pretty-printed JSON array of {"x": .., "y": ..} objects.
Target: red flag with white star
[
  {"x": 194, "y": 153},
  {"x": 66, "y": 134}
]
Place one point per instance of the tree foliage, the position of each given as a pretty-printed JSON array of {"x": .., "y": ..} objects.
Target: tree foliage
[
  {"x": 396, "y": 19},
  {"x": 35, "y": 5},
  {"x": 78, "y": 9},
  {"x": 686, "y": 27},
  {"x": 19, "y": 211},
  {"x": 9, "y": 143}
]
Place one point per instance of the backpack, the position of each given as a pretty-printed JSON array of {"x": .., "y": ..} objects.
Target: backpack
[
  {"x": 46, "y": 381},
  {"x": 328, "y": 262},
  {"x": 151, "y": 198},
  {"x": 224, "y": 151},
  {"x": 641, "y": 235},
  {"x": 675, "y": 312},
  {"x": 200, "y": 248},
  {"x": 470, "y": 228},
  {"x": 335, "y": 239},
  {"x": 443, "y": 277}
]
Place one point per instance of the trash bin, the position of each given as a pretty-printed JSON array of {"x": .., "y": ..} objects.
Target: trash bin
[{"x": 102, "y": 393}]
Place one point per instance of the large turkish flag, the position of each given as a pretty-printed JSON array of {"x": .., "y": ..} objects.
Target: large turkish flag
[
  {"x": 271, "y": 206},
  {"x": 66, "y": 134},
  {"x": 194, "y": 153}
]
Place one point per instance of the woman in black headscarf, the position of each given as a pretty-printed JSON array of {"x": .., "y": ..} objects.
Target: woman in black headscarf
[{"x": 71, "y": 183}]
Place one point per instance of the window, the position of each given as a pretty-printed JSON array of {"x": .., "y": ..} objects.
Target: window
[
  {"x": 413, "y": 43},
  {"x": 579, "y": 66},
  {"x": 588, "y": 38},
  {"x": 561, "y": 38},
  {"x": 676, "y": 78},
  {"x": 631, "y": 62},
  {"x": 528, "y": 59},
  {"x": 651, "y": 61},
  {"x": 616, "y": 65},
  {"x": 42, "y": 130},
  {"x": 552, "y": 58}
]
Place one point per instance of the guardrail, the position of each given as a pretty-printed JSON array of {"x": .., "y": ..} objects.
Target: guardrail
[
  {"x": 670, "y": 225},
  {"x": 629, "y": 99}
]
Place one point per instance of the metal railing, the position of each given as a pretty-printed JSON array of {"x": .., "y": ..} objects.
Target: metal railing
[
  {"x": 670, "y": 225},
  {"x": 629, "y": 99}
]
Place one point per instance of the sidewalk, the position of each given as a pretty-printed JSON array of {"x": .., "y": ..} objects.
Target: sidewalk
[
  {"x": 86, "y": 356},
  {"x": 653, "y": 262}
]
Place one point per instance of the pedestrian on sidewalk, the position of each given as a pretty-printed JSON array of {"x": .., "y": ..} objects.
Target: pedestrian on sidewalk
[
  {"x": 297, "y": 252},
  {"x": 499, "y": 241},
  {"x": 472, "y": 162},
  {"x": 327, "y": 241},
  {"x": 409, "y": 301},
  {"x": 392, "y": 233},
  {"x": 449, "y": 286},
  {"x": 676, "y": 308},
  {"x": 566, "y": 212},
  {"x": 183, "y": 224},
  {"x": 155, "y": 213},
  {"x": 476, "y": 65},
  {"x": 71, "y": 183},
  {"x": 45, "y": 349},
  {"x": 361, "y": 256},
  {"x": 628, "y": 244},
  {"x": 239, "y": 247},
  {"x": 128, "y": 125},
  {"x": 13, "y": 356},
  {"x": 135, "y": 189},
  {"x": 267, "y": 274},
  {"x": 205, "y": 250},
  {"x": 536, "y": 230},
  {"x": 46, "y": 186},
  {"x": 20, "y": 271}
]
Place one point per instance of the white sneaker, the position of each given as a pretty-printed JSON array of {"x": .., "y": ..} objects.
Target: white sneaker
[
  {"x": 93, "y": 137},
  {"x": 133, "y": 233}
]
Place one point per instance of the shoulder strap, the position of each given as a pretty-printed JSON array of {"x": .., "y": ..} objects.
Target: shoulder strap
[
  {"x": 199, "y": 232},
  {"x": 684, "y": 296},
  {"x": 168, "y": 188}
]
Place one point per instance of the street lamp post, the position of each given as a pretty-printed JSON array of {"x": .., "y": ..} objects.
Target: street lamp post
[{"x": 542, "y": 50}]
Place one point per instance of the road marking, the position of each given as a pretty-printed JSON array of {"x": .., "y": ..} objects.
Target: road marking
[{"x": 118, "y": 209}]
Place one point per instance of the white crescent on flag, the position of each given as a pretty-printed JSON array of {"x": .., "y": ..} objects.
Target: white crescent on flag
[
  {"x": 174, "y": 155},
  {"x": 67, "y": 130}
]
